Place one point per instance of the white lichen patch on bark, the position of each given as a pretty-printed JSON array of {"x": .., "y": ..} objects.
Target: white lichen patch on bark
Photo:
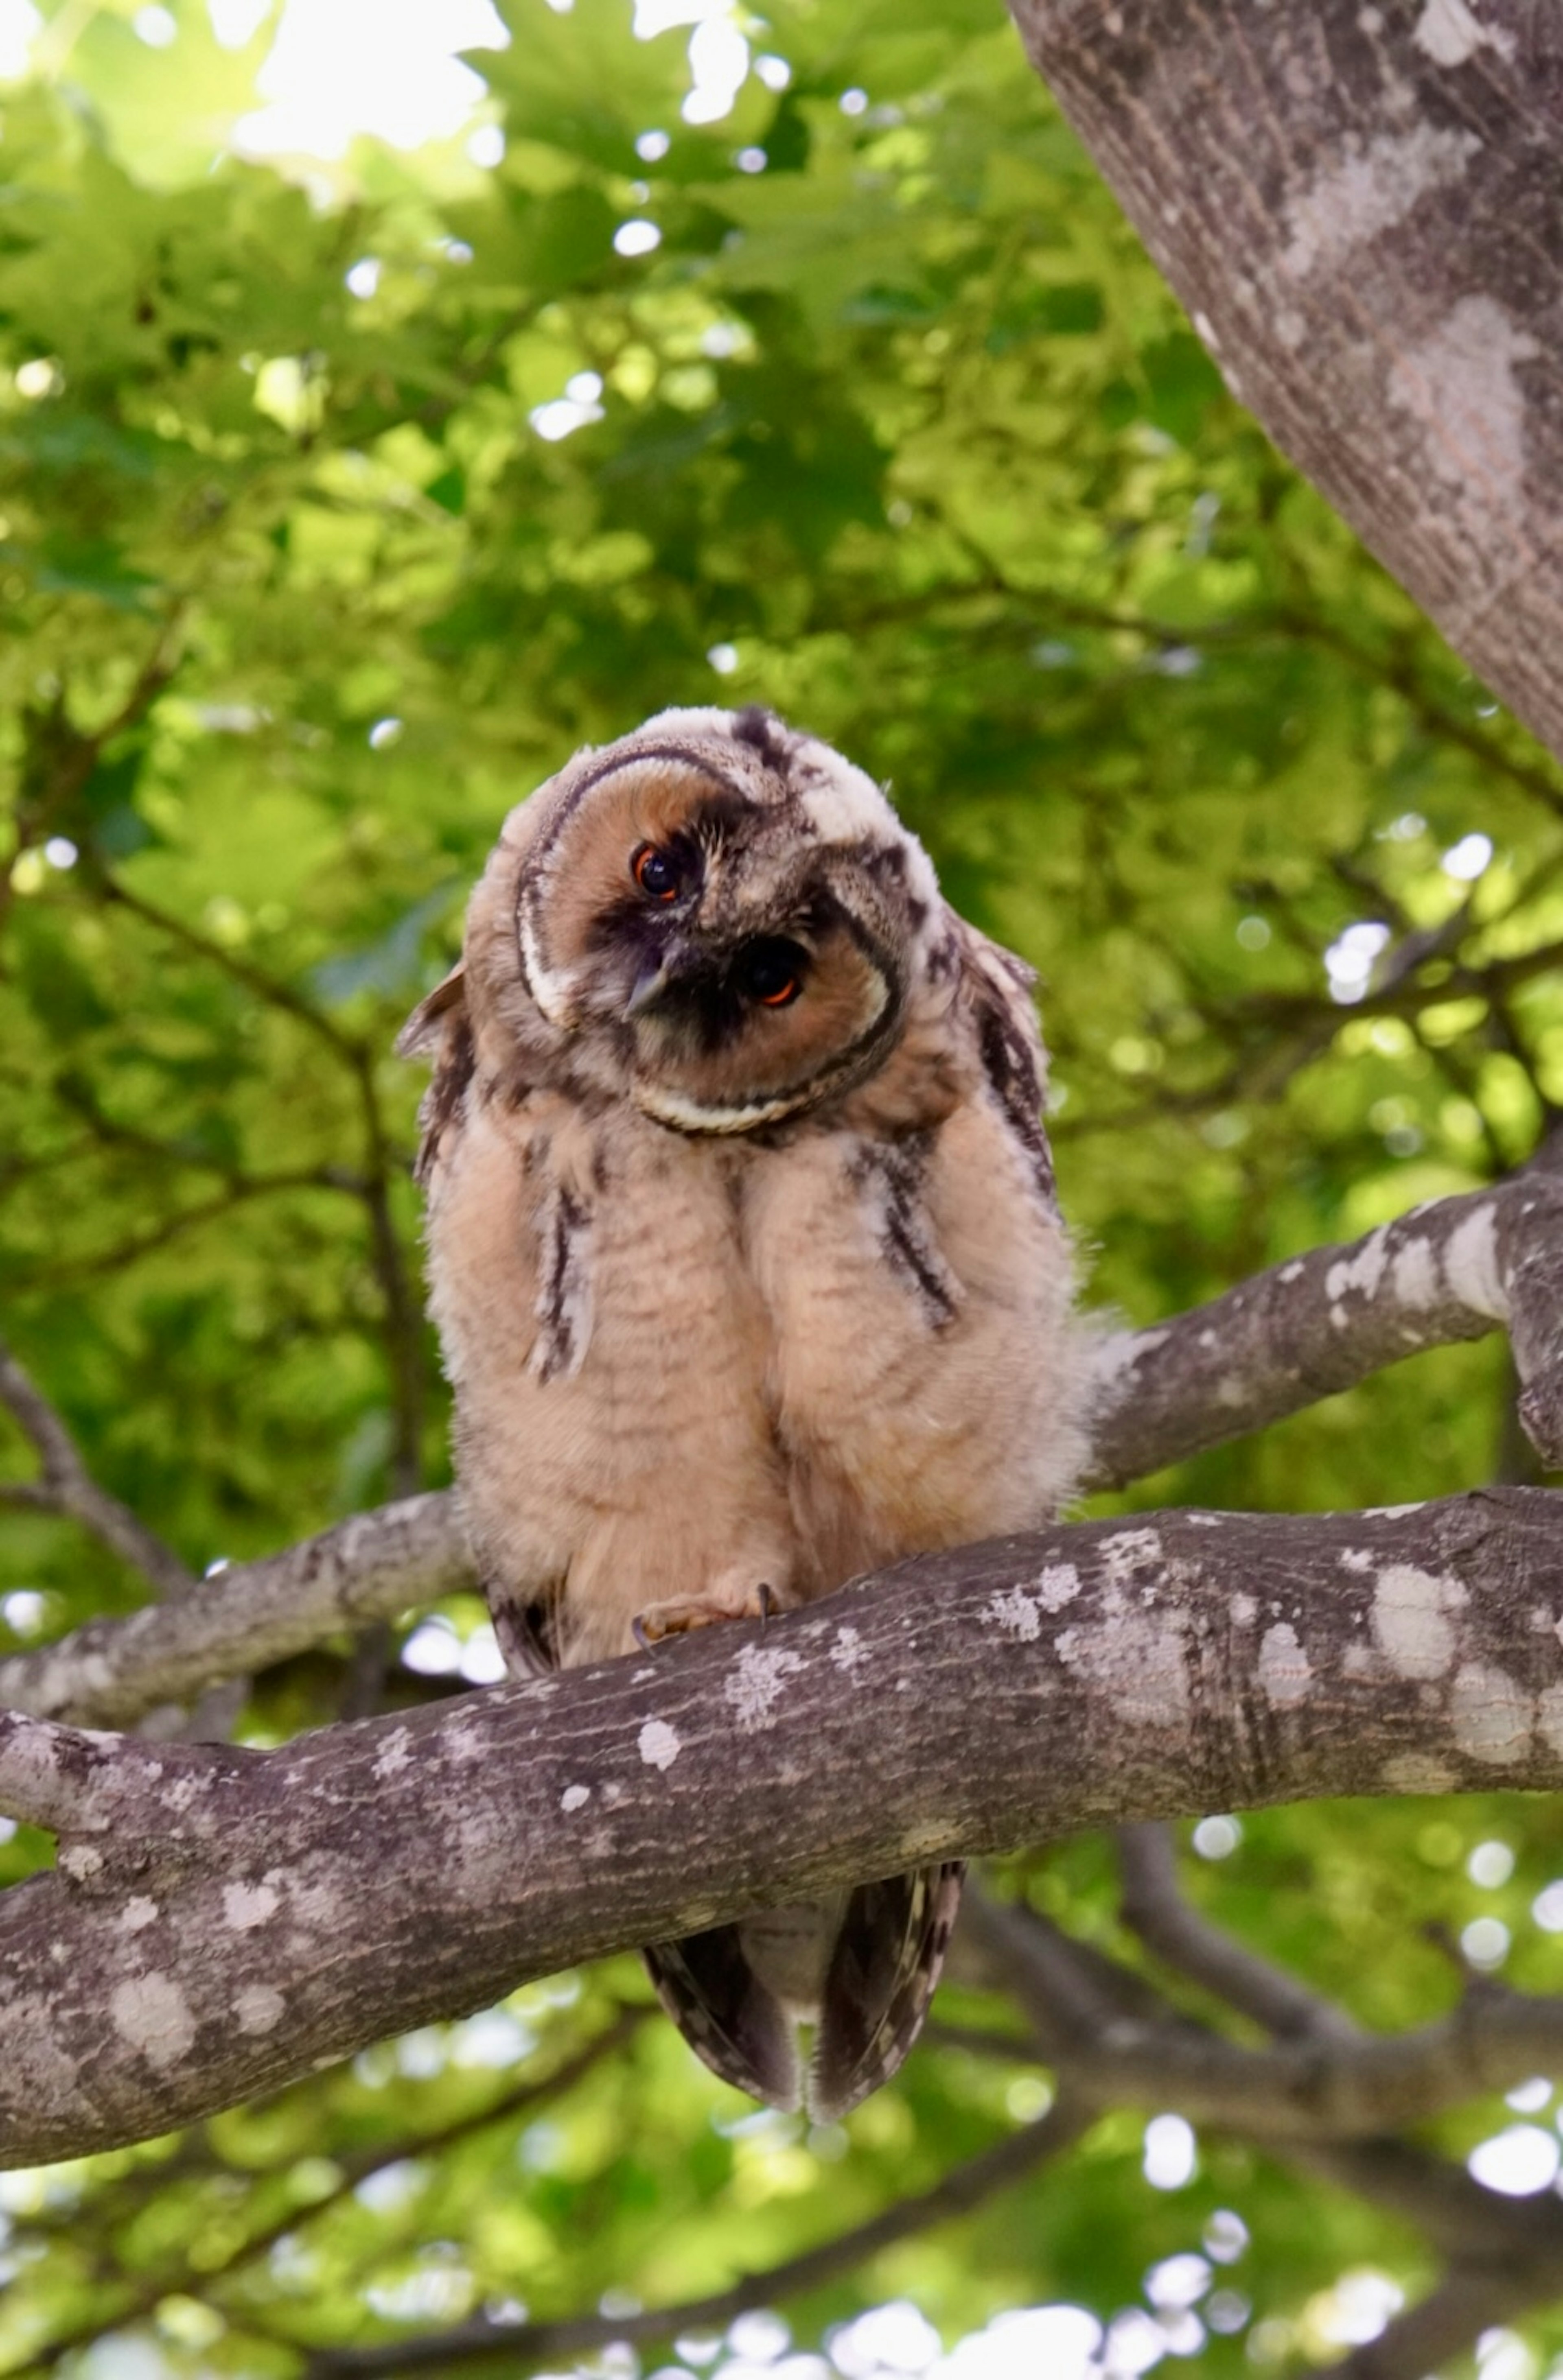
[
  {"x": 1244, "y": 1610},
  {"x": 1419, "y": 1772},
  {"x": 1355, "y": 1557},
  {"x": 1136, "y": 1660},
  {"x": 137, "y": 1913},
  {"x": 248, "y": 1905},
  {"x": 1012, "y": 1609},
  {"x": 1458, "y": 385},
  {"x": 1285, "y": 1671},
  {"x": 1055, "y": 1584},
  {"x": 1413, "y": 1276},
  {"x": 573, "y": 1798},
  {"x": 1450, "y": 33},
  {"x": 756, "y": 1683},
  {"x": 1371, "y": 186},
  {"x": 1491, "y": 1714},
  {"x": 849, "y": 1652},
  {"x": 1116, "y": 1350},
  {"x": 1410, "y": 1620},
  {"x": 152, "y": 2013},
  {"x": 37, "y": 2072},
  {"x": 1129, "y": 1551},
  {"x": 1363, "y": 1271},
  {"x": 80, "y": 1862},
  {"x": 395, "y": 1755},
  {"x": 258, "y": 2008},
  {"x": 658, "y": 1743},
  {"x": 1471, "y": 1266}
]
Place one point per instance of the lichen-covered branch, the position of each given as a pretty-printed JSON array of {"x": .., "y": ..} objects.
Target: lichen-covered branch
[
  {"x": 1307, "y": 1329},
  {"x": 228, "y": 1917}
]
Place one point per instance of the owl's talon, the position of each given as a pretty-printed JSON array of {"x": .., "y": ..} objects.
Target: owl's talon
[{"x": 682, "y": 1613}]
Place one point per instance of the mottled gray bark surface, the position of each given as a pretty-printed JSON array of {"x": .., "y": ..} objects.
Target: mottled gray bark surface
[
  {"x": 1361, "y": 209},
  {"x": 220, "y": 1920}
]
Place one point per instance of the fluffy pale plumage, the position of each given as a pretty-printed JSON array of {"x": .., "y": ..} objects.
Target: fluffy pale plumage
[{"x": 747, "y": 1265}]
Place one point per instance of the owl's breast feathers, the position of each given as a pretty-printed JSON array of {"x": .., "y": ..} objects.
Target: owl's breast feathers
[{"x": 689, "y": 1362}]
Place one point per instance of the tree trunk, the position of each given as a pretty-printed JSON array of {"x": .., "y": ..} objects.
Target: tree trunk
[{"x": 1362, "y": 207}]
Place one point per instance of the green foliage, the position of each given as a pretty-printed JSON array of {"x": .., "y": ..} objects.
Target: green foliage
[{"x": 299, "y": 590}]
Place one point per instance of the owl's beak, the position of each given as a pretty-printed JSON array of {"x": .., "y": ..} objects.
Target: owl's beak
[{"x": 674, "y": 962}]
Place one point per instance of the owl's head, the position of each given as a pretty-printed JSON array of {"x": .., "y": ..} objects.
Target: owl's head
[{"x": 716, "y": 916}]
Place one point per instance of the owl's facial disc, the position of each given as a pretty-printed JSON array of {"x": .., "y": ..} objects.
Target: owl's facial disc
[{"x": 742, "y": 967}]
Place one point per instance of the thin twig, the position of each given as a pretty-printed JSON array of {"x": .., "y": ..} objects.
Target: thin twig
[{"x": 67, "y": 1488}]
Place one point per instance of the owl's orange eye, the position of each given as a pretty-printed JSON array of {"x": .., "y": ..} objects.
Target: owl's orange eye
[
  {"x": 656, "y": 873},
  {"x": 771, "y": 972}
]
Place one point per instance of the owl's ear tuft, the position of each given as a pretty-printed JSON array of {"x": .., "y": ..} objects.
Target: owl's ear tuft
[{"x": 424, "y": 1031}]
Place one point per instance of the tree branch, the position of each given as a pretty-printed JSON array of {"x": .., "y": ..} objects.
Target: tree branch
[
  {"x": 509, "y": 2344},
  {"x": 247, "y": 1914},
  {"x": 375, "y": 1566},
  {"x": 1321, "y": 1323},
  {"x": 67, "y": 1488},
  {"x": 1155, "y": 1910}
]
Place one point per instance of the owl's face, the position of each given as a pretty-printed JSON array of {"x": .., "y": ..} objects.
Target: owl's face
[{"x": 728, "y": 916}]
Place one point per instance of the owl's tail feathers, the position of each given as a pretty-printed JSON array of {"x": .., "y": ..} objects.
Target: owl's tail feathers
[
  {"x": 883, "y": 1969},
  {"x": 728, "y": 2017},
  {"x": 884, "y": 1960}
]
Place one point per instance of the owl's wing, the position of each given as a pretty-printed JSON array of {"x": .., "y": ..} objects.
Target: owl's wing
[
  {"x": 439, "y": 1027},
  {"x": 998, "y": 987},
  {"x": 727, "y": 2014},
  {"x": 887, "y": 1958}
]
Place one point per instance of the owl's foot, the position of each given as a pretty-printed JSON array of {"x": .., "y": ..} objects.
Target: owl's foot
[{"x": 680, "y": 1613}]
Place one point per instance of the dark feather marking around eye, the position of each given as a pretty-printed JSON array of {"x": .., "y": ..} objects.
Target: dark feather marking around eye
[{"x": 1011, "y": 1069}]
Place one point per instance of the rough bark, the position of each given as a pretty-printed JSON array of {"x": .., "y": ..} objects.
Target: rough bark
[
  {"x": 221, "y": 1920},
  {"x": 1362, "y": 209}
]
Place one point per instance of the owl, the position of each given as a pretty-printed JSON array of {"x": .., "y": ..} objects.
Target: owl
[{"x": 748, "y": 1271}]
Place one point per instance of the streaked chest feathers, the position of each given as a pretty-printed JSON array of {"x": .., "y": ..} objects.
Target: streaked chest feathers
[{"x": 747, "y": 1267}]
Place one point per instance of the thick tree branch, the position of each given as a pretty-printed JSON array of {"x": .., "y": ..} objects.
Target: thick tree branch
[
  {"x": 1389, "y": 178},
  {"x": 229, "y": 1917}
]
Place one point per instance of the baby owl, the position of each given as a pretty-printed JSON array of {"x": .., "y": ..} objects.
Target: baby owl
[{"x": 747, "y": 1268}]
